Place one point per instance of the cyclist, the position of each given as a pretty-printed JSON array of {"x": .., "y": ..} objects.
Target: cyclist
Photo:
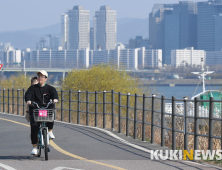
[
  {"x": 34, "y": 81},
  {"x": 41, "y": 93}
]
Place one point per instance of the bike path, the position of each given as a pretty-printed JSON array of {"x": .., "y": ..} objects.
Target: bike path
[{"x": 96, "y": 149}]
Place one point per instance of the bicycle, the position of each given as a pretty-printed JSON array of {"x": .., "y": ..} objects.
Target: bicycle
[{"x": 43, "y": 115}]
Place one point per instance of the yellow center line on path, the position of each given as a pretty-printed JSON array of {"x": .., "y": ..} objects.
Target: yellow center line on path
[{"x": 56, "y": 147}]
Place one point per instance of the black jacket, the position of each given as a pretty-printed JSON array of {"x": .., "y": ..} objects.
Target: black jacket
[{"x": 41, "y": 95}]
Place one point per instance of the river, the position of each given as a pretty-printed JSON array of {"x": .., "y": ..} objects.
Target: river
[{"x": 180, "y": 91}]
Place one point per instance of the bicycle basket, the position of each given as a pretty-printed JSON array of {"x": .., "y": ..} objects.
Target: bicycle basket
[{"x": 46, "y": 115}]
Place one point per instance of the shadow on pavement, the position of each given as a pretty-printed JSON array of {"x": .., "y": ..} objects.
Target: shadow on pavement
[
  {"x": 105, "y": 138},
  {"x": 20, "y": 158}
]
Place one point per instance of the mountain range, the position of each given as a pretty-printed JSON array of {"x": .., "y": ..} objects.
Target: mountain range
[{"x": 126, "y": 28}]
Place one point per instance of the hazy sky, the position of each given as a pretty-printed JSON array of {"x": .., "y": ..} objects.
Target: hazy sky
[{"x": 26, "y": 14}]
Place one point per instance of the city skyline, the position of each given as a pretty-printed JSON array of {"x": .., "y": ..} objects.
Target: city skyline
[
  {"x": 171, "y": 27},
  {"x": 37, "y": 19}
]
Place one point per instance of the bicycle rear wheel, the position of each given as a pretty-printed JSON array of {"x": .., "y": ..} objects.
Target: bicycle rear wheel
[{"x": 44, "y": 131}]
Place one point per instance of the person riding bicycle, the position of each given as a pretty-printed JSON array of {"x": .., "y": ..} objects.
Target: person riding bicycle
[
  {"x": 34, "y": 81},
  {"x": 41, "y": 93}
]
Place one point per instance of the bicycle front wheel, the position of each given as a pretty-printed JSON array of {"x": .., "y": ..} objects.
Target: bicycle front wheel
[
  {"x": 45, "y": 143},
  {"x": 39, "y": 149}
]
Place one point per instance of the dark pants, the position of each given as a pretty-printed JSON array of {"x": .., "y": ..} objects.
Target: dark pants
[{"x": 35, "y": 128}]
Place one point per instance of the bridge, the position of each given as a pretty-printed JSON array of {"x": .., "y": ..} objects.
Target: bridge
[
  {"x": 79, "y": 144},
  {"x": 60, "y": 73},
  {"x": 57, "y": 73}
]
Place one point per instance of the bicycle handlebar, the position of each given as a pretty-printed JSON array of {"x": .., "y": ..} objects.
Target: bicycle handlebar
[{"x": 51, "y": 102}]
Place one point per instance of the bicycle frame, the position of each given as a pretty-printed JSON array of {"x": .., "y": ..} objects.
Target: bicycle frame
[
  {"x": 43, "y": 136},
  {"x": 41, "y": 141}
]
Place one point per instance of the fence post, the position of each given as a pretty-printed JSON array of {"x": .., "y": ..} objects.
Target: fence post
[
  {"x": 127, "y": 114},
  {"x": 70, "y": 106},
  {"x": 104, "y": 109},
  {"x": 153, "y": 118},
  {"x": 13, "y": 102},
  {"x": 55, "y": 112},
  {"x": 173, "y": 124},
  {"x": 78, "y": 107},
  {"x": 120, "y": 112},
  {"x": 4, "y": 100},
  {"x": 144, "y": 118},
  {"x": 23, "y": 95},
  {"x": 113, "y": 100},
  {"x": 9, "y": 101},
  {"x": 196, "y": 126},
  {"x": 185, "y": 124},
  {"x": 0, "y": 100},
  {"x": 61, "y": 105},
  {"x": 96, "y": 108},
  {"x": 135, "y": 117},
  {"x": 211, "y": 112},
  {"x": 163, "y": 121},
  {"x": 18, "y": 102},
  {"x": 87, "y": 108},
  {"x": 221, "y": 125}
]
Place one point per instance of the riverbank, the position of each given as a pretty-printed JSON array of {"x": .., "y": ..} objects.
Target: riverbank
[{"x": 180, "y": 82}]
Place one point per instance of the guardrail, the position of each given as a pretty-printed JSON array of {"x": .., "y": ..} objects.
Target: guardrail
[{"x": 139, "y": 116}]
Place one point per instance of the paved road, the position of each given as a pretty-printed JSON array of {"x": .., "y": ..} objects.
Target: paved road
[{"x": 77, "y": 147}]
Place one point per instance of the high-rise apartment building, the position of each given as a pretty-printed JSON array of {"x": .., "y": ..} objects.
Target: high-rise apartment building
[
  {"x": 209, "y": 25},
  {"x": 171, "y": 33},
  {"x": 54, "y": 42},
  {"x": 77, "y": 25},
  {"x": 187, "y": 56},
  {"x": 48, "y": 42},
  {"x": 188, "y": 24},
  {"x": 156, "y": 27},
  {"x": 138, "y": 42},
  {"x": 58, "y": 59},
  {"x": 105, "y": 28},
  {"x": 213, "y": 58},
  {"x": 126, "y": 59},
  {"x": 41, "y": 44},
  {"x": 64, "y": 30},
  {"x": 218, "y": 32},
  {"x": 91, "y": 38},
  {"x": 9, "y": 56},
  {"x": 130, "y": 59},
  {"x": 149, "y": 58}
]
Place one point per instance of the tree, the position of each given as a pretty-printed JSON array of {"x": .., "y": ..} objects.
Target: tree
[
  {"x": 18, "y": 81},
  {"x": 99, "y": 78}
]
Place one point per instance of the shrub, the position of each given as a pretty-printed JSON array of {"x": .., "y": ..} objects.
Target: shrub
[
  {"x": 18, "y": 81},
  {"x": 99, "y": 78}
]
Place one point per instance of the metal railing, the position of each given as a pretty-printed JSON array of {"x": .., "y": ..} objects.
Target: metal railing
[{"x": 139, "y": 116}]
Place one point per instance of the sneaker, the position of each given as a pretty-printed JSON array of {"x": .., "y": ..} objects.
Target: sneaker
[
  {"x": 51, "y": 136},
  {"x": 34, "y": 151}
]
